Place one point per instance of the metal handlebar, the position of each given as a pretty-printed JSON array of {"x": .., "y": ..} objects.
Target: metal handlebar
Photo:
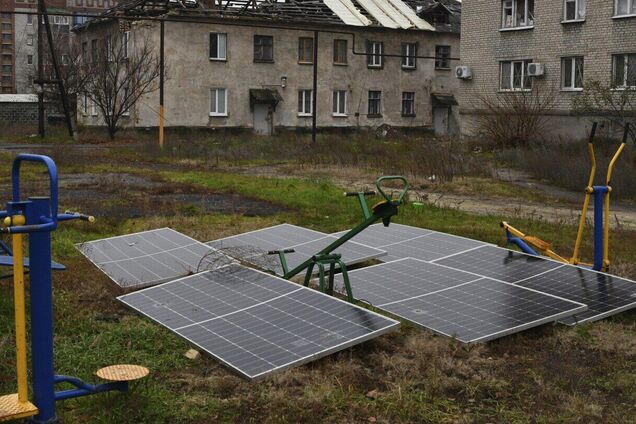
[
  {"x": 276, "y": 252},
  {"x": 364, "y": 193},
  {"x": 593, "y": 132},
  {"x": 51, "y": 224},
  {"x": 398, "y": 201}
]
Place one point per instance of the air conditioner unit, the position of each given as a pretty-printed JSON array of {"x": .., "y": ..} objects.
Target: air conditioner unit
[
  {"x": 463, "y": 72},
  {"x": 535, "y": 69}
]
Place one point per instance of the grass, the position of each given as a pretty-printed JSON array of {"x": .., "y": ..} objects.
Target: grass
[{"x": 551, "y": 374}]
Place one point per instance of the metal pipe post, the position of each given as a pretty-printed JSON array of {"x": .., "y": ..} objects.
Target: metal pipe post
[
  {"x": 161, "y": 82},
  {"x": 41, "y": 312},
  {"x": 314, "y": 98},
  {"x": 599, "y": 203}
]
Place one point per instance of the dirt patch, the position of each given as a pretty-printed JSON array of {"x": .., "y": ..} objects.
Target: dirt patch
[{"x": 133, "y": 196}]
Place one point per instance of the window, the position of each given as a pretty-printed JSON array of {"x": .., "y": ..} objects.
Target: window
[
  {"x": 514, "y": 76},
  {"x": 29, "y": 39},
  {"x": 374, "y": 54},
  {"x": 574, "y": 10},
  {"x": 65, "y": 59},
  {"x": 7, "y": 69},
  {"x": 625, "y": 7},
  {"x": 93, "y": 108},
  {"x": 409, "y": 51},
  {"x": 85, "y": 105},
  {"x": 517, "y": 13},
  {"x": 30, "y": 19},
  {"x": 305, "y": 50},
  {"x": 340, "y": 103},
  {"x": 84, "y": 52},
  {"x": 126, "y": 41},
  {"x": 442, "y": 57},
  {"x": 375, "y": 106},
  {"x": 218, "y": 46},
  {"x": 29, "y": 59},
  {"x": 340, "y": 52},
  {"x": 94, "y": 51},
  {"x": 218, "y": 102},
  {"x": 624, "y": 70},
  {"x": 305, "y": 99},
  {"x": 263, "y": 48},
  {"x": 5, "y": 16},
  {"x": 572, "y": 73},
  {"x": 7, "y": 26},
  {"x": 408, "y": 103}
]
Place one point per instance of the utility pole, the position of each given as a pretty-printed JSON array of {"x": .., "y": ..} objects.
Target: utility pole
[
  {"x": 40, "y": 81},
  {"x": 315, "y": 90},
  {"x": 161, "y": 78}
]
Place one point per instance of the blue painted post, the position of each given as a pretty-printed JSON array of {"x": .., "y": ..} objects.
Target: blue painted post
[
  {"x": 41, "y": 312},
  {"x": 599, "y": 193}
]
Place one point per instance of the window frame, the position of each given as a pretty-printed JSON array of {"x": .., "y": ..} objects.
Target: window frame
[
  {"x": 337, "y": 102},
  {"x": 303, "y": 60},
  {"x": 216, "y": 113},
  {"x": 303, "y": 93},
  {"x": 219, "y": 57},
  {"x": 573, "y": 62},
  {"x": 524, "y": 75},
  {"x": 372, "y": 55},
  {"x": 624, "y": 86},
  {"x": 403, "y": 112},
  {"x": 126, "y": 45},
  {"x": 407, "y": 54},
  {"x": 525, "y": 24},
  {"x": 577, "y": 11},
  {"x": 631, "y": 9},
  {"x": 439, "y": 59},
  {"x": 263, "y": 37},
  {"x": 346, "y": 48},
  {"x": 379, "y": 103}
]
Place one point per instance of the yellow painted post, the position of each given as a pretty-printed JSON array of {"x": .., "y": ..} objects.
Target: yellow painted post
[
  {"x": 20, "y": 311},
  {"x": 608, "y": 182},
  {"x": 586, "y": 204}
]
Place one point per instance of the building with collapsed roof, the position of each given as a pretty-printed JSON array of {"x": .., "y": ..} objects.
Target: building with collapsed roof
[{"x": 247, "y": 64}]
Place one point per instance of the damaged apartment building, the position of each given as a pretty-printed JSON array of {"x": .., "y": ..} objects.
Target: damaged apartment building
[{"x": 251, "y": 65}]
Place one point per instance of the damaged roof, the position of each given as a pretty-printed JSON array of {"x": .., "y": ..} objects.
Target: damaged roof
[{"x": 402, "y": 14}]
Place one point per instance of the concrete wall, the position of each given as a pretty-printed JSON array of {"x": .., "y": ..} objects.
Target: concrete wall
[
  {"x": 484, "y": 46},
  {"x": 191, "y": 74}
]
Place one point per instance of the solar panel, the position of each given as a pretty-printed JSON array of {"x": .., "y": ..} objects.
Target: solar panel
[
  {"x": 404, "y": 241},
  {"x": 453, "y": 302},
  {"x": 604, "y": 294},
  {"x": 254, "y": 322},
  {"x": 150, "y": 257},
  {"x": 252, "y": 247}
]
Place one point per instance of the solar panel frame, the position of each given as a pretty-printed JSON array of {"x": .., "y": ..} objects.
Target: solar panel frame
[
  {"x": 311, "y": 243},
  {"x": 289, "y": 289},
  {"x": 470, "y": 280},
  {"x": 197, "y": 252}
]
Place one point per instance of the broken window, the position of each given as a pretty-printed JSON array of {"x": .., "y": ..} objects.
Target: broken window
[
  {"x": 624, "y": 70},
  {"x": 374, "y": 54},
  {"x": 574, "y": 10},
  {"x": 409, "y": 51},
  {"x": 517, "y": 13},
  {"x": 625, "y": 7},
  {"x": 263, "y": 48},
  {"x": 305, "y": 100},
  {"x": 408, "y": 103},
  {"x": 442, "y": 57},
  {"x": 218, "y": 102},
  {"x": 340, "y": 52},
  {"x": 218, "y": 46},
  {"x": 375, "y": 106},
  {"x": 572, "y": 73},
  {"x": 340, "y": 103},
  {"x": 514, "y": 75},
  {"x": 305, "y": 50}
]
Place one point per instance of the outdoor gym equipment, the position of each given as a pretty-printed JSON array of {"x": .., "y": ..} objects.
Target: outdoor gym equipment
[
  {"x": 38, "y": 217},
  {"x": 384, "y": 210},
  {"x": 601, "y": 194}
]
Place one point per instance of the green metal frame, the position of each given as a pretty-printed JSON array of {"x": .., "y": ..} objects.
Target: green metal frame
[{"x": 383, "y": 210}]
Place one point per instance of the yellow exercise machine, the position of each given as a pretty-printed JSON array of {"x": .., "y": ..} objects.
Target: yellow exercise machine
[{"x": 534, "y": 245}]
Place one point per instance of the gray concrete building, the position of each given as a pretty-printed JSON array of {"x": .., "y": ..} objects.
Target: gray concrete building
[
  {"x": 574, "y": 41},
  {"x": 252, "y": 67}
]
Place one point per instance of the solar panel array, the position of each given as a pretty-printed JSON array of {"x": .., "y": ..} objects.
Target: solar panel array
[
  {"x": 411, "y": 281},
  {"x": 151, "y": 257},
  {"x": 254, "y": 322},
  {"x": 252, "y": 247}
]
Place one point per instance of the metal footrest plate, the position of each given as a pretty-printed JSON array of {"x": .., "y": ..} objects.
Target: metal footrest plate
[{"x": 12, "y": 409}]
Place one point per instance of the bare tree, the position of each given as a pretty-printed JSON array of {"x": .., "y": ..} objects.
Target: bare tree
[
  {"x": 117, "y": 72},
  {"x": 515, "y": 117},
  {"x": 615, "y": 101}
]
